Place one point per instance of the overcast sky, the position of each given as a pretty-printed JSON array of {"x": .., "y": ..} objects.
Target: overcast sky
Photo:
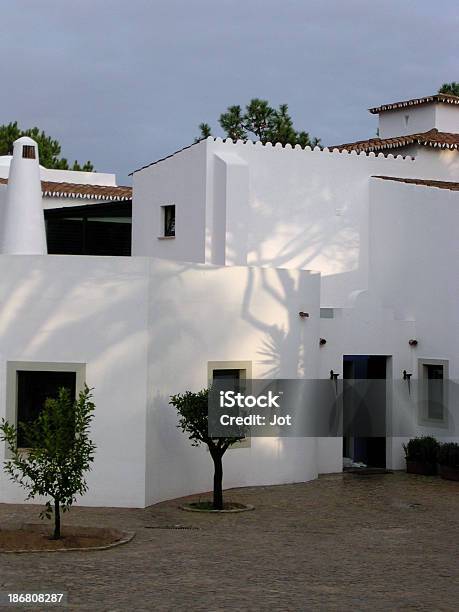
[{"x": 124, "y": 82}]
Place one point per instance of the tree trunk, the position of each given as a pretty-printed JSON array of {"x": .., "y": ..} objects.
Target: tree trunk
[
  {"x": 57, "y": 520},
  {"x": 218, "y": 481}
]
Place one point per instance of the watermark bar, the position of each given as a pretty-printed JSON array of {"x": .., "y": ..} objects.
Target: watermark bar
[{"x": 332, "y": 408}]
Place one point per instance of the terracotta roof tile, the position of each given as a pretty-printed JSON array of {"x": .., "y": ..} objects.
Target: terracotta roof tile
[
  {"x": 82, "y": 191},
  {"x": 432, "y": 138},
  {"x": 436, "y": 98},
  {"x": 425, "y": 182}
]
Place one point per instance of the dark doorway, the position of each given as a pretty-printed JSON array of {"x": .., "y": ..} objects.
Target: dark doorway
[
  {"x": 367, "y": 449},
  {"x": 91, "y": 229}
]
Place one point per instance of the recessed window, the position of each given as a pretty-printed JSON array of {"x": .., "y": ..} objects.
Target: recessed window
[
  {"x": 433, "y": 374},
  {"x": 231, "y": 371},
  {"x": 435, "y": 395},
  {"x": 28, "y": 152},
  {"x": 228, "y": 374},
  {"x": 327, "y": 313},
  {"x": 168, "y": 220},
  {"x": 33, "y": 389},
  {"x": 30, "y": 384}
]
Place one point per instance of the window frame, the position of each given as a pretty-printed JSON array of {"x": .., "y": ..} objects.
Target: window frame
[
  {"x": 165, "y": 233},
  {"x": 12, "y": 367},
  {"x": 28, "y": 152},
  {"x": 245, "y": 373},
  {"x": 423, "y": 394}
]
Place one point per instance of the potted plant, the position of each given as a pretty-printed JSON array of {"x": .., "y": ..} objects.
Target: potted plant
[
  {"x": 421, "y": 455},
  {"x": 448, "y": 460}
]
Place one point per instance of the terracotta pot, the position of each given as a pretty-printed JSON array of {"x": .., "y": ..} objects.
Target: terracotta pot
[
  {"x": 419, "y": 467},
  {"x": 449, "y": 473}
]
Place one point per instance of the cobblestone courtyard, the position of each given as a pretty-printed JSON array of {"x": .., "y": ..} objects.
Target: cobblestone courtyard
[{"x": 386, "y": 542}]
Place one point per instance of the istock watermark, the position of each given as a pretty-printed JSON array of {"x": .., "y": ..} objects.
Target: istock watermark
[
  {"x": 328, "y": 408},
  {"x": 236, "y": 399}
]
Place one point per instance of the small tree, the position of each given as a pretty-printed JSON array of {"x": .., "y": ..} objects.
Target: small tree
[
  {"x": 59, "y": 455},
  {"x": 193, "y": 413}
]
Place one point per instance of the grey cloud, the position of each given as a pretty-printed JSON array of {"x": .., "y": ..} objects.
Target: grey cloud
[{"x": 123, "y": 83}]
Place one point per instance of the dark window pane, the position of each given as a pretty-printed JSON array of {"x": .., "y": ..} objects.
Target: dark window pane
[
  {"x": 33, "y": 390},
  {"x": 227, "y": 375},
  {"x": 169, "y": 220},
  {"x": 28, "y": 152},
  {"x": 434, "y": 391}
]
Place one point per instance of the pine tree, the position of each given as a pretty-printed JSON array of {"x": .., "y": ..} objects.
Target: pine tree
[
  {"x": 49, "y": 150},
  {"x": 450, "y": 88},
  {"x": 261, "y": 122}
]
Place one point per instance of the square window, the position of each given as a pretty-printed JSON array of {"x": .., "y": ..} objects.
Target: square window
[
  {"x": 28, "y": 152},
  {"x": 30, "y": 383},
  {"x": 168, "y": 214}
]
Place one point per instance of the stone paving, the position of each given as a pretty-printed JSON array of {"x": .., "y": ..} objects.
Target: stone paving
[{"x": 352, "y": 542}]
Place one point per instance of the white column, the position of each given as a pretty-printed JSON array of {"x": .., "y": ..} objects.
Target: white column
[{"x": 23, "y": 228}]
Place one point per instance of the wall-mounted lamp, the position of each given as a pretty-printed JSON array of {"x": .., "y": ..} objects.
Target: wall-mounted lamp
[
  {"x": 334, "y": 377},
  {"x": 303, "y": 315},
  {"x": 322, "y": 341},
  {"x": 413, "y": 342},
  {"x": 407, "y": 377}
]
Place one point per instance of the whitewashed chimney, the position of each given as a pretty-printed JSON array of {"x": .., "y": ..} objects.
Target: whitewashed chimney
[{"x": 23, "y": 228}]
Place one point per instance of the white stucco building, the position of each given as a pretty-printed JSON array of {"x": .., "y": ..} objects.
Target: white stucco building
[{"x": 230, "y": 242}]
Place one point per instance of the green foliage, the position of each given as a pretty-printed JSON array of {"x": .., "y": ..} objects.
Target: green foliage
[
  {"x": 450, "y": 88},
  {"x": 205, "y": 131},
  {"x": 193, "y": 410},
  {"x": 423, "y": 449},
  {"x": 262, "y": 122},
  {"x": 193, "y": 421},
  {"x": 448, "y": 454},
  {"x": 49, "y": 150},
  {"x": 60, "y": 452}
]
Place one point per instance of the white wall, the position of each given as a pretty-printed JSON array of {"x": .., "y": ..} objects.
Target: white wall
[
  {"x": 415, "y": 274},
  {"x": 146, "y": 329},
  {"x": 202, "y": 314},
  {"x": 264, "y": 206},
  {"x": 179, "y": 180},
  {"x": 413, "y": 260},
  {"x": 302, "y": 209},
  {"x": 447, "y": 118},
  {"x": 409, "y": 120},
  {"x": 64, "y": 176},
  {"x": 270, "y": 206},
  {"x": 94, "y": 311},
  {"x": 419, "y": 118}
]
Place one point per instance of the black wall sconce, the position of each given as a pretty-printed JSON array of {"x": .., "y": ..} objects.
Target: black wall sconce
[
  {"x": 413, "y": 342},
  {"x": 407, "y": 377},
  {"x": 303, "y": 315},
  {"x": 334, "y": 377},
  {"x": 322, "y": 341}
]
